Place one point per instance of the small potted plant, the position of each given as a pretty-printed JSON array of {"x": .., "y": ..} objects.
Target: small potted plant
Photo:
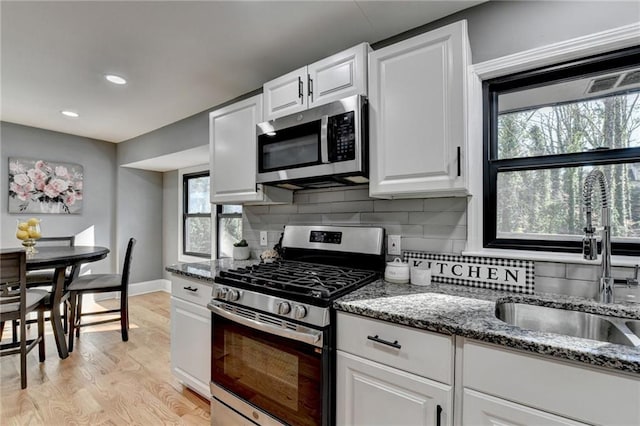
[{"x": 241, "y": 250}]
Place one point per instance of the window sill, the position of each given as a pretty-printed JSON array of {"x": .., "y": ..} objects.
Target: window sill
[{"x": 546, "y": 256}]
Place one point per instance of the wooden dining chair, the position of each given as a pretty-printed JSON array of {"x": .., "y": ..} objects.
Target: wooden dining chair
[
  {"x": 101, "y": 283},
  {"x": 15, "y": 302},
  {"x": 44, "y": 277}
]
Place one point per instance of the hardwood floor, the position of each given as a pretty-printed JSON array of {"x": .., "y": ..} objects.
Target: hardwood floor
[{"x": 105, "y": 381}]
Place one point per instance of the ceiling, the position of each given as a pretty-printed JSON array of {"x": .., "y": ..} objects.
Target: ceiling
[{"x": 179, "y": 57}]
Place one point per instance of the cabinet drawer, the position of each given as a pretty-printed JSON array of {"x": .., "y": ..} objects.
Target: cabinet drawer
[
  {"x": 421, "y": 352},
  {"x": 196, "y": 291},
  {"x": 557, "y": 387}
]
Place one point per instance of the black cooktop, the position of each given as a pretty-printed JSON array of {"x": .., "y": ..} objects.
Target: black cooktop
[{"x": 300, "y": 281}]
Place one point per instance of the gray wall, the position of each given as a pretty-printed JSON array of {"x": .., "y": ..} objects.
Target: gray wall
[
  {"x": 170, "y": 218},
  {"x": 139, "y": 215},
  {"x": 499, "y": 28},
  {"x": 99, "y": 204}
]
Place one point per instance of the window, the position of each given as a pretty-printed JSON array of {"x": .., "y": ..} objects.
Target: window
[
  {"x": 544, "y": 131},
  {"x": 196, "y": 217},
  {"x": 229, "y": 228}
]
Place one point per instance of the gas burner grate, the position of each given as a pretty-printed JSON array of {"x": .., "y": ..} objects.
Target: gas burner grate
[{"x": 303, "y": 278}]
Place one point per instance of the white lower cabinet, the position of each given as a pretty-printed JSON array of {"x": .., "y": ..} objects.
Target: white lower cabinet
[
  {"x": 191, "y": 334},
  {"x": 484, "y": 410},
  {"x": 370, "y": 393},
  {"x": 507, "y": 387},
  {"x": 391, "y": 375}
]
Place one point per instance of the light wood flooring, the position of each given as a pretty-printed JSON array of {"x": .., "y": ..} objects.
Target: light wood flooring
[{"x": 105, "y": 381}]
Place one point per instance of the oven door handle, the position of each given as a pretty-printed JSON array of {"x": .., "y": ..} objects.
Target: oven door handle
[
  {"x": 324, "y": 139},
  {"x": 310, "y": 336}
]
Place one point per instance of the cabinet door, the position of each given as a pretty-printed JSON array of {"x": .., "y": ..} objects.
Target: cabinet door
[
  {"x": 417, "y": 115},
  {"x": 338, "y": 76},
  {"x": 191, "y": 345},
  {"x": 483, "y": 410},
  {"x": 285, "y": 95},
  {"x": 232, "y": 132},
  {"x": 373, "y": 394}
]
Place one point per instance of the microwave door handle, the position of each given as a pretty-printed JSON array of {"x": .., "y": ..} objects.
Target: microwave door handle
[{"x": 324, "y": 139}]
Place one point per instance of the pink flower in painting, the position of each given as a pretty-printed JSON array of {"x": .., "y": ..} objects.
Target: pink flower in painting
[
  {"x": 62, "y": 171},
  {"x": 36, "y": 175},
  {"x": 29, "y": 187},
  {"x": 15, "y": 167},
  {"x": 55, "y": 187},
  {"x": 70, "y": 199},
  {"x": 78, "y": 185},
  {"x": 78, "y": 195},
  {"x": 40, "y": 165},
  {"x": 21, "y": 179}
]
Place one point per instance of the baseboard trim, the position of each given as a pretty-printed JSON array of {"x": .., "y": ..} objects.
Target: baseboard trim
[{"x": 136, "y": 289}]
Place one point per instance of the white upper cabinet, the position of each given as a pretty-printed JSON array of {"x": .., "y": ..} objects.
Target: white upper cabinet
[
  {"x": 417, "y": 113},
  {"x": 232, "y": 138},
  {"x": 333, "y": 78}
]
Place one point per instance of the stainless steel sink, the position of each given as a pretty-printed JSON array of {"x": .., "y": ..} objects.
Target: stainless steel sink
[{"x": 570, "y": 323}]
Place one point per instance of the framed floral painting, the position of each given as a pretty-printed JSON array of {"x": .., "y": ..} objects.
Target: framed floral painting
[{"x": 38, "y": 186}]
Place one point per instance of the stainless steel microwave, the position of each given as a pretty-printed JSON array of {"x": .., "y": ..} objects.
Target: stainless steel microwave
[{"x": 317, "y": 148}]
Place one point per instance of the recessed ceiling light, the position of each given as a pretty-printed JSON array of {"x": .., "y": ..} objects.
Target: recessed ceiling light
[
  {"x": 115, "y": 79},
  {"x": 70, "y": 114}
]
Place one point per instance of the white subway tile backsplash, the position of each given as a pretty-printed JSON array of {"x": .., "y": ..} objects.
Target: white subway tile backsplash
[
  {"x": 314, "y": 208},
  {"x": 283, "y": 209},
  {"x": 305, "y": 219},
  {"x": 427, "y": 244},
  {"x": 326, "y": 197},
  {"x": 398, "y": 205},
  {"x": 352, "y": 206},
  {"x": 359, "y": 194},
  {"x": 578, "y": 288},
  {"x": 404, "y": 230},
  {"x": 445, "y": 204},
  {"x": 445, "y": 231},
  {"x": 300, "y": 197},
  {"x": 550, "y": 269},
  {"x": 583, "y": 272},
  {"x": 385, "y": 218},
  {"x": 341, "y": 219},
  {"x": 454, "y": 218},
  {"x": 459, "y": 246}
]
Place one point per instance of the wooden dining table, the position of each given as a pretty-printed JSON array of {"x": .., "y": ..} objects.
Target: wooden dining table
[{"x": 60, "y": 258}]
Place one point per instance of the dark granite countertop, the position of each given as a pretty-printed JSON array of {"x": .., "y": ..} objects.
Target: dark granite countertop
[
  {"x": 469, "y": 312},
  {"x": 206, "y": 271}
]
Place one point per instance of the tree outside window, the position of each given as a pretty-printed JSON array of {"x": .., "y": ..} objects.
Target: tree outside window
[{"x": 545, "y": 131}]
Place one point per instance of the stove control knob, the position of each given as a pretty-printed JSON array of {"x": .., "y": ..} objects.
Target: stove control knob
[
  {"x": 233, "y": 295},
  {"x": 283, "y": 308},
  {"x": 220, "y": 293},
  {"x": 299, "y": 312}
]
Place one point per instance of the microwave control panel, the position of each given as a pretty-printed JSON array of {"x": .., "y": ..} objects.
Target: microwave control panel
[{"x": 342, "y": 137}]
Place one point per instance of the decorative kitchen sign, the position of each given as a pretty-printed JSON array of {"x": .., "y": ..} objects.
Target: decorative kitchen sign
[
  {"x": 484, "y": 272},
  {"x": 38, "y": 186}
]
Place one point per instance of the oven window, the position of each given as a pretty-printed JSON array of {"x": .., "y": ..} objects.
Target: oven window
[{"x": 281, "y": 376}]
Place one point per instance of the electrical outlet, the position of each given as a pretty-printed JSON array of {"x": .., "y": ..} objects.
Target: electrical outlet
[
  {"x": 263, "y": 238},
  {"x": 393, "y": 245}
]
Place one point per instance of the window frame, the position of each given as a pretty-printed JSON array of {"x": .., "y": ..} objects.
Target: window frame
[
  {"x": 186, "y": 215},
  {"x": 219, "y": 216},
  {"x": 492, "y": 165}
]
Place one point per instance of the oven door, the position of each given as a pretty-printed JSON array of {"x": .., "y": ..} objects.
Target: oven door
[{"x": 256, "y": 363}]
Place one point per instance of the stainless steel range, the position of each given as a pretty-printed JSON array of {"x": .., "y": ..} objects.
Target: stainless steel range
[{"x": 272, "y": 336}]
